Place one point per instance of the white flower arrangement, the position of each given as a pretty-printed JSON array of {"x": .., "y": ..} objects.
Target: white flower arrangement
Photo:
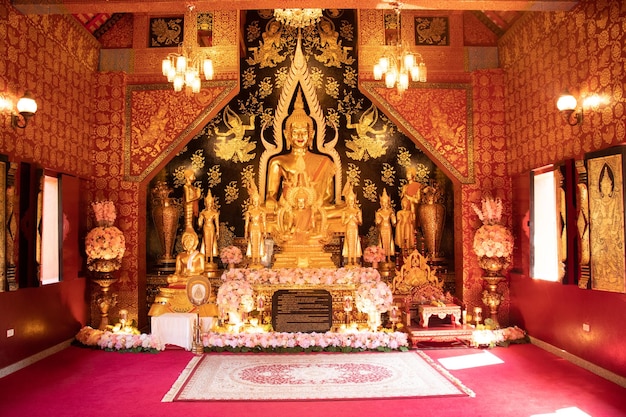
[{"x": 490, "y": 211}]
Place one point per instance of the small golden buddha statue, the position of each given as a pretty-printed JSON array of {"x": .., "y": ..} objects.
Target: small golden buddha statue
[{"x": 188, "y": 263}]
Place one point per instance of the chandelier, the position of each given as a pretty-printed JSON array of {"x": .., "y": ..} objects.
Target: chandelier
[
  {"x": 403, "y": 65},
  {"x": 183, "y": 68},
  {"x": 298, "y": 18}
]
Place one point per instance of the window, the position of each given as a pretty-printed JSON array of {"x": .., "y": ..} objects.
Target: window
[
  {"x": 51, "y": 224},
  {"x": 545, "y": 226}
]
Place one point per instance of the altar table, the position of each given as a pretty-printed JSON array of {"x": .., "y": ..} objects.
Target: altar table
[
  {"x": 175, "y": 329},
  {"x": 425, "y": 311}
]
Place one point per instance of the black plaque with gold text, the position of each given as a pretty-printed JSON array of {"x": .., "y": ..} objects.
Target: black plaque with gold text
[{"x": 302, "y": 310}]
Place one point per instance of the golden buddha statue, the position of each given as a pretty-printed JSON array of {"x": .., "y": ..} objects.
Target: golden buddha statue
[
  {"x": 190, "y": 262},
  {"x": 285, "y": 169},
  {"x": 189, "y": 267}
]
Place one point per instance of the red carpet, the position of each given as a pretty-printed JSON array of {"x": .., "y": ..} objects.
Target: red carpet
[{"x": 79, "y": 382}]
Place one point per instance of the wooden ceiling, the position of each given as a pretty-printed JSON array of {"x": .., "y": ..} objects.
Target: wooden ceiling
[{"x": 497, "y": 15}]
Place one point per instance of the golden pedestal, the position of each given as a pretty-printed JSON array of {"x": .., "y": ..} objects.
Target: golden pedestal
[{"x": 303, "y": 256}]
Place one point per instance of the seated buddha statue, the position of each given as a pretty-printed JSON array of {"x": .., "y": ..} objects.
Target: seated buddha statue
[
  {"x": 189, "y": 263},
  {"x": 285, "y": 169},
  {"x": 300, "y": 217}
]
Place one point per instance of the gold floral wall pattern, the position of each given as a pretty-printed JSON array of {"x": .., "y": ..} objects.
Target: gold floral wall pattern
[
  {"x": 49, "y": 140},
  {"x": 582, "y": 55}
]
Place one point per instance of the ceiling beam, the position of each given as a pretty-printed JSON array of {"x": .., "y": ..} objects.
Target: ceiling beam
[{"x": 177, "y": 6}]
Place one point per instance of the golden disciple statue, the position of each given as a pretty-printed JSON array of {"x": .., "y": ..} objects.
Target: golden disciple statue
[
  {"x": 405, "y": 233},
  {"x": 208, "y": 220},
  {"x": 351, "y": 219},
  {"x": 255, "y": 229},
  {"x": 385, "y": 219},
  {"x": 285, "y": 170},
  {"x": 192, "y": 195},
  {"x": 412, "y": 191},
  {"x": 190, "y": 262}
]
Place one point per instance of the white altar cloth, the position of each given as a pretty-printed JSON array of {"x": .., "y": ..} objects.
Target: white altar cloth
[{"x": 175, "y": 329}]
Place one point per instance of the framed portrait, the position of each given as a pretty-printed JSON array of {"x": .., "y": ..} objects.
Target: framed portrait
[{"x": 198, "y": 290}]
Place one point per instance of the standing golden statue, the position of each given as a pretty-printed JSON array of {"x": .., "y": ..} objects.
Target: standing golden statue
[
  {"x": 209, "y": 221},
  {"x": 255, "y": 229},
  {"x": 351, "y": 219},
  {"x": 285, "y": 169},
  {"x": 192, "y": 195},
  {"x": 405, "y": 232},
  {"x": 385, "y": 219},
  {"x": 412, "y": 191}
]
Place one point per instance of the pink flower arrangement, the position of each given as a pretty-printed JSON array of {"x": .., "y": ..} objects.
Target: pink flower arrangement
[
  {"x": 104, "y": 243},
  {"x": 299, "y": 276},
  {"x": 493, "y": 240},
  {"x": 104, "y": 211},
  {"x": 374, "y": 254},
  {"x": 363, "y": 340},
  {"x": 374, "y": 297},
  {"x": 234, "y": 294},
  {"x": 231, "y": 255},
  {"x": 123, "y": 342}
]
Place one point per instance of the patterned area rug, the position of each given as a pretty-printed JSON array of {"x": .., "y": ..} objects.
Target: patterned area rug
[{"x": 313, "y": 376}]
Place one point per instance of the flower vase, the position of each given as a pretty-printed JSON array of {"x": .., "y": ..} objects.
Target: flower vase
[
  {"x": 373, "y": 320},
  {"x": 493, "y": 265},
  {"x": 375, "y": 264},
  {"x": 431, "y": 218},
  {"x": 231, "y": 266},
  {"x": 165, "y": 214}
]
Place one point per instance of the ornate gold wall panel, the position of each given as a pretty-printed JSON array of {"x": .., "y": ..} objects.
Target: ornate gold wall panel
[{"x": 606, "y": 217}]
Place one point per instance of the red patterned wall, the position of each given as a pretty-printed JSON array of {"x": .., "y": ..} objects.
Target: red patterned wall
[
  {"x": 55, "y": 59},
  {"x": 583, "y": 52},
  {"x": 58, "y": 71}
]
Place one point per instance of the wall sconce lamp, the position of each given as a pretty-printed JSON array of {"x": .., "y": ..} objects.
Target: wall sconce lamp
[
  {"x": 26, "y": 108},
  {"x": 567, "y": 106}
]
